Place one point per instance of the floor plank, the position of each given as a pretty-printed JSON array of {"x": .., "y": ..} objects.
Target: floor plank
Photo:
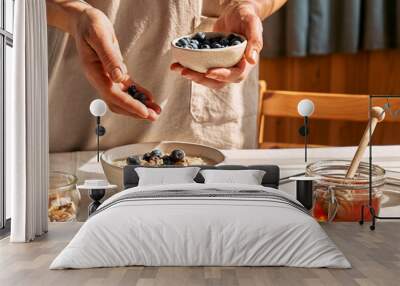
[{"x": 375, "y": 257}]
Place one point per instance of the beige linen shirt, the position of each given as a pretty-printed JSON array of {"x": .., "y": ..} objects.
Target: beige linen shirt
[{"x": 225, "y": 118}]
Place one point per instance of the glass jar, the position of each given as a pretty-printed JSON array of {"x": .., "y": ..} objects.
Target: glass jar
[
  {"x": 64, "y": 197},
  {"x": 339, "y": 199}
]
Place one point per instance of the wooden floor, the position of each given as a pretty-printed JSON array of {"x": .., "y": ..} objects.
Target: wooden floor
[{"x": 375, "y": 257}]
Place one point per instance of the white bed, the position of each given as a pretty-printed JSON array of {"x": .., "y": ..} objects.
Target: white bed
[{"x": 246, "y": 225}]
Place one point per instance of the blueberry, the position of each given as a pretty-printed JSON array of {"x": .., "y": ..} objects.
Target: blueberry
[
  {"x": 200, "y": 36},
  {"x": 204, "y": 46},
  {"x": 167, "y": 160},
  {"x": 193, "y": 46},
  {"x": 177, "y": 155},
  {"x": 236, "y": 39},
  {"x": 216, "y": 45},
  {"x": 182, "y": 42},
  {"x": 216, "y": 39},
  {"x": 147, "y": 157},
  {"x": 132, "y": 90},
  {"x": 234, "y": 43},
  {"x": 231, "y": 37},
  {"x": 133, "y": 160},
  {"x": 224, "y": 42},
  {"x": 141, "y": 97},
  {"x": 194, "y": 42},
  {"x": 156, "y": 153}
]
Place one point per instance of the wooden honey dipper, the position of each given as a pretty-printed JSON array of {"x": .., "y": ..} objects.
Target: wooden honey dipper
[{"x": 377, "y": 115}]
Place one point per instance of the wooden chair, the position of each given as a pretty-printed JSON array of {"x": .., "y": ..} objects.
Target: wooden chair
[{"x": 348, "y": 107}]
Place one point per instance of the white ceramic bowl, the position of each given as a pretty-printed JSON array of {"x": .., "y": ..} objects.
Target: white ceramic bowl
[
  {"x": 114, "y": 174},
  {"x": 203, "y": 59}
]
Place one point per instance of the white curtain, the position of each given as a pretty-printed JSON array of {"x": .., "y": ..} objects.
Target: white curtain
[{"x": 27, "y": 124}]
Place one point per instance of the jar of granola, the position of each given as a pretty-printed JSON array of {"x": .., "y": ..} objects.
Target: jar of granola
[
  {"x": 339, "y": 199},
  {"x": 64, "y": 197}
]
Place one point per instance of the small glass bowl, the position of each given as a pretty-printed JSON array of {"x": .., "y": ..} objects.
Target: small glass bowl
[{"x": 64, "y": 197}]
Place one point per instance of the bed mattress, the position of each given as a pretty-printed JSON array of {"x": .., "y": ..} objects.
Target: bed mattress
[{"x": 201, "y": 225}]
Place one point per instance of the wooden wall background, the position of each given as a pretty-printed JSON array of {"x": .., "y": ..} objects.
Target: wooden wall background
[{"x": 362, "y": 73}]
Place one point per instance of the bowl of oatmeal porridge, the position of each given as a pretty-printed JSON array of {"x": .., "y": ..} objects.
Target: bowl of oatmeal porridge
[{"x": 157, "y": 154}]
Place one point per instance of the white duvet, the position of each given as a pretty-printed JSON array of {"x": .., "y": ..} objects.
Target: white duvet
[{"x": 188, "y": 231}]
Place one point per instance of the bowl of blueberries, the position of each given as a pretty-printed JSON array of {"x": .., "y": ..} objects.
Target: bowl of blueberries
[
  {"x": 157, "y": 154},
  {"x": 205, "y": 50}
]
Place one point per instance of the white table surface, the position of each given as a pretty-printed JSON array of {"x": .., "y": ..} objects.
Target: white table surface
[{"x": 291, "y": 161}]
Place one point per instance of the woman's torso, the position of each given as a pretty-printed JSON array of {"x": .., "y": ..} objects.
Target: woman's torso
[{"x": 144, "y": 28}]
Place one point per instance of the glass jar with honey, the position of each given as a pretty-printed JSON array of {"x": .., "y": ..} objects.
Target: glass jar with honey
[{"x": 337, "y": 198}]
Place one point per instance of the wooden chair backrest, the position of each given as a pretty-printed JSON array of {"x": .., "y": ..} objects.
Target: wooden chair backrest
[{"x": 332, "y": 106}]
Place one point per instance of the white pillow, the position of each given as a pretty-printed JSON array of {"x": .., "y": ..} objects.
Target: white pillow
[
  {"x": 248, "y": 177},
  {"x": 166, "y": 176}
]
